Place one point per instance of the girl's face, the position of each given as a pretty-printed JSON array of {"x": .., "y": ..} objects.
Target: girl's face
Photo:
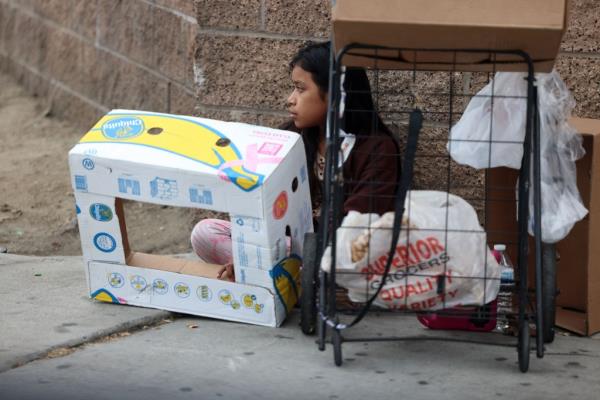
[{"x": 307, "y": 105}]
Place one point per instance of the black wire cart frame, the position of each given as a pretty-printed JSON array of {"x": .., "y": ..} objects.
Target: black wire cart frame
[{"x": 319, "y": 310}]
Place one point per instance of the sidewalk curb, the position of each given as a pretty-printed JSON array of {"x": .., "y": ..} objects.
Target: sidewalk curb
[{"x": 125, "y": 326}]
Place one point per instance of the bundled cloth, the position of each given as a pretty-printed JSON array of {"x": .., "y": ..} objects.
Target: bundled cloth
[{"x": 441, "y": 258}]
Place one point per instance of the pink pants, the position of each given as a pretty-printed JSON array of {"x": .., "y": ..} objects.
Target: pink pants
[{"x": 211, "y": 240}]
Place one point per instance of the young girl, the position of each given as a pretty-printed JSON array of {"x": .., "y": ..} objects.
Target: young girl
[{"x": 369, "y": 152}]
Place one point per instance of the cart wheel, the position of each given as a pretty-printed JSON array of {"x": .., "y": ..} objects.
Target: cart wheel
[
  {"x": 308, "y": 306},
  {"x": 523, "y": 346},
  {"x": 548, "y": 291},
  {"x": 336, "y": 338}
]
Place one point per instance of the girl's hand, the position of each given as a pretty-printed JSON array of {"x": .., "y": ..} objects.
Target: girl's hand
[{"x": 227, "y": 273}]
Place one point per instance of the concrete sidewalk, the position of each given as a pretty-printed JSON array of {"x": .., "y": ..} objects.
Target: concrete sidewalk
[
  {"x": 202, "y": 358},
  {"x": 45, "y": 306}
]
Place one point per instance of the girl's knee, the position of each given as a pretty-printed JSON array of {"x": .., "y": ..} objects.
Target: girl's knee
[
  {"x": 201, "y": 228},
  {"x": 200, "y": 237},
  {"x": 211, "y": 240}
]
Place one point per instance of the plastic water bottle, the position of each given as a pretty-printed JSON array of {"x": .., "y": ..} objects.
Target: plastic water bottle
[{"x": 507, "y": 286}]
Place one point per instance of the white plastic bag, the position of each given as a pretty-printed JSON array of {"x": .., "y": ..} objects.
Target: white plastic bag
[
  {"x": 486, "y": 139},
  {"x": 427, "y": 250},
  {"x": 560, "y": 147},
  {"x": 504, "y": 129}
]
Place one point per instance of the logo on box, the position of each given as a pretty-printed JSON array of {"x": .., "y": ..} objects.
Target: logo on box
[
  {"x": 182, "y": 290},
  {"x": 138, "y": 282},
  {"x": 280, "y": 205},
  {"x": 101, "y": 212},
  {"x": 165, "y": 189},
  {"x": 104, "y": 242},
  {"x": 249, "y": 223},
  {"x": 160, "y": 286},
  {"x": 200, "y": 196},
  {"x": 81, "y": 182},
  {"x": 131, "y": 186},
  {"x": 116, "y": 280},
  {"x": 204, "y": 293},
  {"x": 88, "y": 163},
  {"x": 269, "y": 149},
  {"x": 123, "y": 128}
]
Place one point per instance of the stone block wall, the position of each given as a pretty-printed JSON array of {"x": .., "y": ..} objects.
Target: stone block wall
[
  {"x": 215, "y": 58},
  {"x": 243, "y": 48},
  {"x": 89, "y": 56},
  {"x": 579, "y": 61}
]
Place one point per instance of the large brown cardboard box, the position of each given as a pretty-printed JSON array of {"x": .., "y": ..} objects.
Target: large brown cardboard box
[
  {"x": 533, "y": 26},
  {"x": 578, "y": 265}
]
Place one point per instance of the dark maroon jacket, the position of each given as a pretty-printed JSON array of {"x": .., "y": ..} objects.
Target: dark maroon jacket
[{"x": 370, "y": 174}]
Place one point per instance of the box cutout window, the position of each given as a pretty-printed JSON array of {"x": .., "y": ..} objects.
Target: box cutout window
[{"x": 152, "y": 243}]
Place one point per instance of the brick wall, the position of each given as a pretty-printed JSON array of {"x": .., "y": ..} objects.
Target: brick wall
[
  {"x": 243, "y": 51},
  {"x": 216, "y": 58},
  {"x": 579, "y": 61},
  {"x": 88, "y": 56}
]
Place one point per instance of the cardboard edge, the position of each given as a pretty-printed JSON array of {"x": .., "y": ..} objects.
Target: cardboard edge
[
  {"x": 585, "y": 126},
  {"x": 540, "y": 65},
  {"x": 335, "y": 17},
  {"x": 571, "y": 320},
  {"x": 122, "y": 226},
  {"x": 279, "y": 312}
]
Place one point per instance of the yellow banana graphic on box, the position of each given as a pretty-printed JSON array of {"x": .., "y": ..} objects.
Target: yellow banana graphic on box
[
  {"x": 187, "y": 138},
  {"x": 105, "y": 296},
  {"x": 286, "y": 277}
]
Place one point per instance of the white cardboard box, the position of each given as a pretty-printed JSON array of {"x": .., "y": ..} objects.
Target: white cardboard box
[{"x": 258, "y": 175}]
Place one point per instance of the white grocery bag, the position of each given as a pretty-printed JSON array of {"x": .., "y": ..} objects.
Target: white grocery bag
[
  {"x": 441, "y": 258},
  {"x": 560, "y": 147},
  {"x": 491, "y": 131}
]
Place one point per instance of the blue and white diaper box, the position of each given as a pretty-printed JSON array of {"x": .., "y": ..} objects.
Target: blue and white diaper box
[{"x": 255, "y": 174}]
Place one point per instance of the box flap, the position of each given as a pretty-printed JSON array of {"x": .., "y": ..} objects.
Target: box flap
[
  {"x": 172, "y": 264},
  {"x": 572, "y": 268},
  {"x": 586, "y": 126},
  {"x": 574, "y": 321},
  {"x": 593, "y": 268},
  {"x": 506, "y": 13},
  {"x": 535, "y": 27},
  {"x": 240, "y": 153},
  {"x": 182, "y": 161},
  {"x": 574, "y": 250}
]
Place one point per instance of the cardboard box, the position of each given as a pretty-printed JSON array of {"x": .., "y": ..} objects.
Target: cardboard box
[
  {"x": 256, "y": 174},
  {"x": 578, "y": 266},
  {"x": 578, "y": 270},
  {"x": 533, "y": 26}
]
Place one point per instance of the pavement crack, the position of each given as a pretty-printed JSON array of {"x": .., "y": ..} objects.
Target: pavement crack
[{"x": 102, "y": 336}]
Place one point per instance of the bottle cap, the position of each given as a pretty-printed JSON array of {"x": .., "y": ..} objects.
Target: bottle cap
[{"x": 499, "y": 247}]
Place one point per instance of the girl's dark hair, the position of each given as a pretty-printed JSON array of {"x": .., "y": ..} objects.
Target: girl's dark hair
[
  {"x": 314, "y": 58},
  {"x": 360, "y": 116}
]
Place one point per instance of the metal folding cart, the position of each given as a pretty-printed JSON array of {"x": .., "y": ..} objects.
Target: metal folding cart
[{"x": 421, "y": 105}]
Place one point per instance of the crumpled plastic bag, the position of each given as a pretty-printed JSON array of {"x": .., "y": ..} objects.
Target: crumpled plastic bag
[
  {"x": 560, "y": 147},
  {"x": 482, "y": 139},
  {"x": 441, "y": 258},
  {"x": 486, "y": 139}
]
